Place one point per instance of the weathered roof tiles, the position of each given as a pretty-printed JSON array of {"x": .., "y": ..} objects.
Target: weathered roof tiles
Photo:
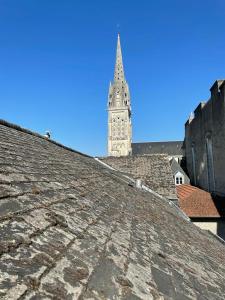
[
  {"x": 71, "y": 228},
  {"x": 196, "y": 202},
  {"x": 154, "y": 170}
]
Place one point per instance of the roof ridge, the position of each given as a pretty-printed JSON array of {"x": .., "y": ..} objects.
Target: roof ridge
[
  {"x": 158, "y": 142},
  {"x": 19, "y": 128},
  {"x": 133, "y": 155}
]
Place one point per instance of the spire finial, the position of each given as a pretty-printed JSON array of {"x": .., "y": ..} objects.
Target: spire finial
[{"x": 118, "y": 28}]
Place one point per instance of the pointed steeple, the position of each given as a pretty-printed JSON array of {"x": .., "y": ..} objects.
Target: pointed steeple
[
  {"x": 119, "y": 72},
  {"x": 119, "y": 109}
]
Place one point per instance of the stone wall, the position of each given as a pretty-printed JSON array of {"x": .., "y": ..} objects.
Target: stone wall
[
  {"x": 154, "y": 170},
  {"x": 205, "y": 142}
]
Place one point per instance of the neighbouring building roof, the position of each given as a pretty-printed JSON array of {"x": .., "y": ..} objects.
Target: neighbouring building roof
[
  {"x": 172, "y": 148},
  {"x": 153, "y": 169},
  {"x": 199, "y": 203},
  {"x": 71, "y": 228}
]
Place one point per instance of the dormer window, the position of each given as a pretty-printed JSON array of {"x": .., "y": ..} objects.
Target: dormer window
[{"x": 179, "y": 178}]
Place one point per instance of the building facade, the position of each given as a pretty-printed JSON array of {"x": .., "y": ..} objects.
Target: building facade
[
  {"x": 205, "y": 142},
  {"x": 119, "y": 111}
]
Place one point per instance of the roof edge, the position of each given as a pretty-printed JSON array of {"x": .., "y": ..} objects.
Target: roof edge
[
  {"x": 19, "y": 128},
  {"x": 205, "y": 217},
  {"x": 134, "y": 155},
  {"x": 158, "y": 142}
]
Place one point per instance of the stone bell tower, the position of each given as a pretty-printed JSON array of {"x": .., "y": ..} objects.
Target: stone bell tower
[{"x": 119, "y": 111}]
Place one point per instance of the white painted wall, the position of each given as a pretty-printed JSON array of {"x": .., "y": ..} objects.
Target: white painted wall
[{"x": 217, "y": 227}]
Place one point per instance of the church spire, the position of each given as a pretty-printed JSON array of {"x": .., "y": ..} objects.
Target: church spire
[
  {"x": 119, "y": 72},
  {"x": 119, "y": 111}
]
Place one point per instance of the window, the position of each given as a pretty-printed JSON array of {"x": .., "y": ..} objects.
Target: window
[{"x": 179, "y": 178}]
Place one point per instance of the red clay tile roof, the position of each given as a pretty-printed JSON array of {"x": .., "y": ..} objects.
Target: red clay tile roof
[{"x": 199, "y": 203}]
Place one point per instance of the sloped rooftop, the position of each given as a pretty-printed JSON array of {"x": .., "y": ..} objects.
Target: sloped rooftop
[
  {"x": 154, "y": 170},
  {"x": 196, "y": 202},
  {"x": 71, "y": 228},
  {"x": 167, "y": 147}
]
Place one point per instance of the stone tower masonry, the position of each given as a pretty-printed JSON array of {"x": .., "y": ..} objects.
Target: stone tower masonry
[{"x": 119, "y": 111}]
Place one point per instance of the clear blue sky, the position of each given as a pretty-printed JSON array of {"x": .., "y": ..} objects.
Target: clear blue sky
[{"x": 57, "y": 58}]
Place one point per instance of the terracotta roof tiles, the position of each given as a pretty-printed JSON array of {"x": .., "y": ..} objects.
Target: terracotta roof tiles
[{"x": 199, "y": 203}]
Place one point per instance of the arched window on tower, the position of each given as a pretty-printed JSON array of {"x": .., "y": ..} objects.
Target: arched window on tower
[
  {"x": 193, "y": 163},
  {"x": 210, "y": 167}
]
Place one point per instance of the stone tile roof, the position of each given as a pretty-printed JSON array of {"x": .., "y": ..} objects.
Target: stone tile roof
[
  {"x": 154, "y": 170},
  {"x": 170, "y": 148},
  {"x": 71, "y": 228},
  {"x": 199, "y": 203}
]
